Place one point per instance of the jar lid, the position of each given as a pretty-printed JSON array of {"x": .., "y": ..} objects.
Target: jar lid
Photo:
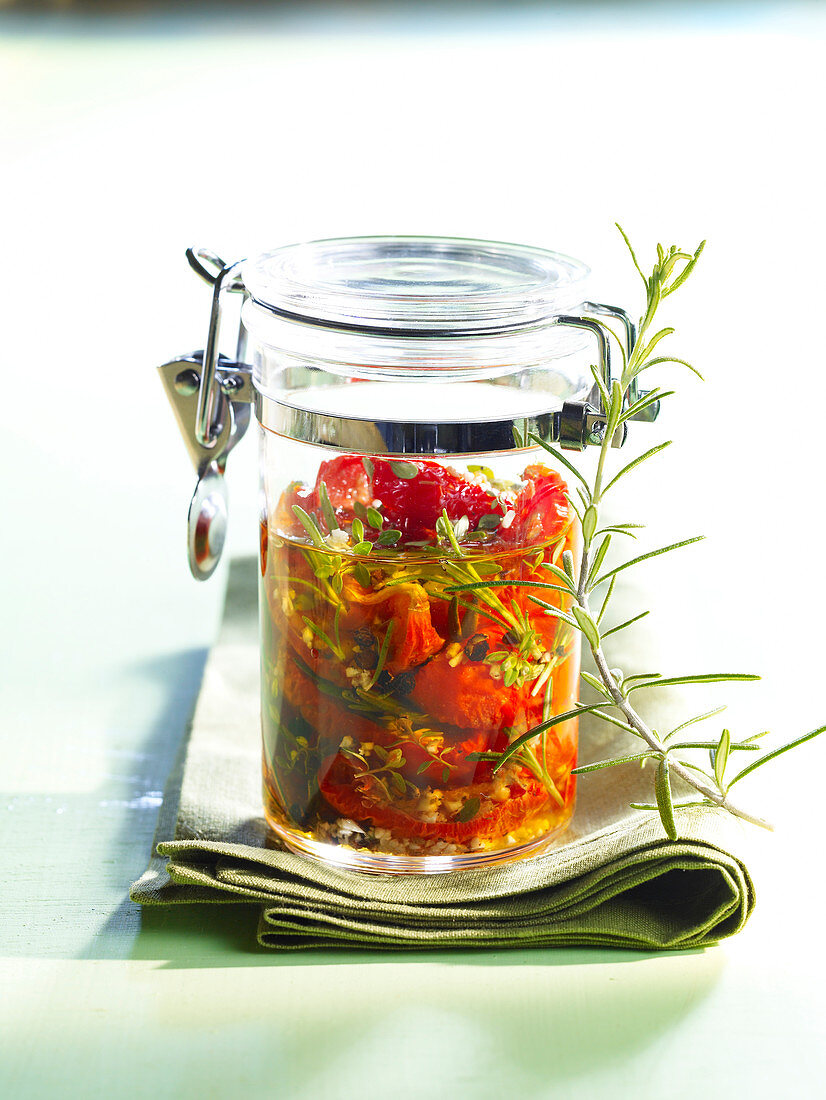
[{"x": 420, "y": 285}]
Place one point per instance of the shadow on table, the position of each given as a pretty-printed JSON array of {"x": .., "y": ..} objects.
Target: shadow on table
[
  {"x": 136, "y": 815},
  {"x": 528, "y": 1017}
]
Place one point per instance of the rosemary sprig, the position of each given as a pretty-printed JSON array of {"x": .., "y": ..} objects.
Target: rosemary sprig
[{"x": 579, "y": 581}]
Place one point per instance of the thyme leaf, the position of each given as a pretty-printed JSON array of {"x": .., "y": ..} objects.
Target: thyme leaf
[{"x": 404, "y": 470}]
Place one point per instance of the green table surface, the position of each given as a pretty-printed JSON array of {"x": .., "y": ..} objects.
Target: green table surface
[{"x": 126, "y": 139}]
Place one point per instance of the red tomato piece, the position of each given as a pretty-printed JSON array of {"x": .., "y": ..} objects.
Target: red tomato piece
[
  {"x": 299, "y": 494},
  {"x": 468, "y": 697},
  {"x": 542, "y": 511},
  {"x": 346, "y": 481},
  {"x": 413, "y": 639},
  {"x": 413, "y": 504}
]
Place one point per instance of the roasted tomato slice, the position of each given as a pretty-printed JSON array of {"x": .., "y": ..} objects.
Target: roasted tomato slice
[
  {"x": 468, "y": 697},
  {"x": 339, "y": 785},
  {"x": 407, "y": 607},
  {"x": 347, "y": 481},
  {"x": 542, "y": 511}
]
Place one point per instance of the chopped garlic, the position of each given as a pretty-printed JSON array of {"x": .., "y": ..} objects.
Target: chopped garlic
[{"x": 338, "y": 538}]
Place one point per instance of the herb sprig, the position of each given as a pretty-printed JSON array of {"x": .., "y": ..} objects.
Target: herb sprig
[{"x": 579, "y": 581}]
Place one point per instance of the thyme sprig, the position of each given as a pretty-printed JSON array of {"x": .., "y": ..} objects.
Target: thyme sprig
[
  {"x": 386, "y": 774},
  {"x": 579, "y": 581}
]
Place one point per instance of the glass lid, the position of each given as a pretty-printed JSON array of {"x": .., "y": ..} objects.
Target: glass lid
[{"x": 416, "y": 284}]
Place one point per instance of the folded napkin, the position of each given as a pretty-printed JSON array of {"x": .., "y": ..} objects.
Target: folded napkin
[{"x": 611, "y": 879}]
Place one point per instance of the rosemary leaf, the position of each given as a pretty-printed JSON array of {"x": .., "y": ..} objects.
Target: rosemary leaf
[
  {"x": 589, "y": 524},
  {"x": 385, "y": 645},
  {"x": 568, "y": 565},
  {"x": 587, "y": 625},
  {"x": 596, "y": 684},
  {"x": 645, "y": 557},
  {"x": 476, "y": 586},
  {"x": 665, "y": 802},
  {"x": 644, "y": 402},
  {"x": 554, "y": 612},
  {"x": 599, "y": 558},
  {"x": 684, "y": 274},
  {"x": 600, "y": 383},
  {"x": 566, "y": 462},
  {"x": 605, "y": 602},
  {"x": 560, "y": 575},
  {"x": 319, "y": 633},
  {"x": 670, "y": 359},
  {"x": 691, "y": 722},
  {"x": 775, "y": 753},
  {"x": 550, "y": 588},
  {"x": 573, "y": 505},
  {"x": 557, "y": 720},
  {"x": 681, "y": 805},
  {"x": 336, "y": 630},
  {"x": 327, "y": 509},
  {"x": 633, "y": 256},
  {"x": 636, "y": 462},
  {"x": 633, "y": 759},
  {"x": 652, "y": 343},
  {"x": 449, "y": 533},
  {"x": 614, "y": 721},
  {"x": 622, "y": 626},
  {"x": 310, "y": 526},
  {"x": 735, "y": 746},
  {"x": 721, "y": 755},
  {"x": 702, "y": 678}
]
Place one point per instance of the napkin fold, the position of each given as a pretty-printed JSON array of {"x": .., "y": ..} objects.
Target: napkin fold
[{"x": 611, "y": 879}]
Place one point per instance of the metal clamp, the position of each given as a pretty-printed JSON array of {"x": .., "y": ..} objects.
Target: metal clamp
[
  {"x": 183, "y": 381},
  {"x": 226, "y": 277},
  {"x": 582, "y": 423},
  {"x": 211, "y": 398}
]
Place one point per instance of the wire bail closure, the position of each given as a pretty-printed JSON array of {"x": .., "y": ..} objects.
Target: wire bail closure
[{"x": 211, "y": 397}]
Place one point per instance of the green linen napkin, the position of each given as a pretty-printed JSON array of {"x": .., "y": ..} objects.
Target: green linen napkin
[{"x": 610, "y": 880}]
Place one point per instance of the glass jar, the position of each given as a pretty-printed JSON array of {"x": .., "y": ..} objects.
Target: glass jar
[
  {"x": 399, "y": 658},
  {"x": 410, "y": 672}
]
